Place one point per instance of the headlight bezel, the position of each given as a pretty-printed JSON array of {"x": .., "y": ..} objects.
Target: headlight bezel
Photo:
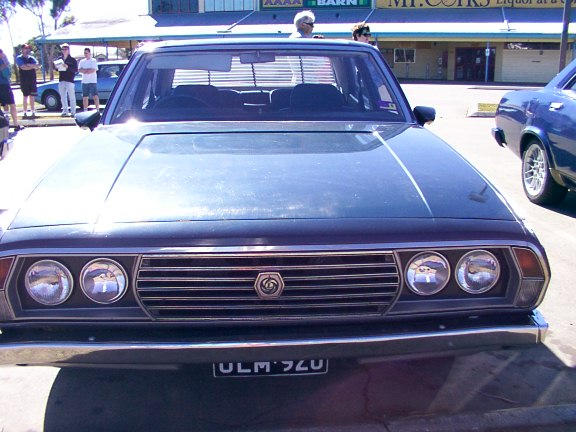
[
  {"x": 452, "y": 292},
  {"x": 108, "y": 261},
  {"x": 417, "y": 261},
  {"x": 64, "y": 270},
  {"x": 486, "y": 288}
]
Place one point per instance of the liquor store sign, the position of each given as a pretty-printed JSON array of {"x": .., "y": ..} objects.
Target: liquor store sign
[
  {"x": 316, "y": 4},
  {"x": 477, "y": 4}
]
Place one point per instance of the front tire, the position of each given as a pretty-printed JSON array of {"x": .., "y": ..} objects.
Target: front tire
[
  {"x": 51, "y": 100},
  {"x": 539, "y": 186}
]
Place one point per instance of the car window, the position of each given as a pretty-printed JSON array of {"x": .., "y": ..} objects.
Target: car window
[
  {"x": 571, "y": 85},
  {"x": 108, "y": 71},
  {"x": 262, "y": 84}
]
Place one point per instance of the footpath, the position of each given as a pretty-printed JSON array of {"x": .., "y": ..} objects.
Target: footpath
[{"x": 44, "y": 118}]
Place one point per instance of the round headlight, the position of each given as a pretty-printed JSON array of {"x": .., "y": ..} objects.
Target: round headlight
[
  {"x": 48, "y": 282},
  {"x": 103, "y": 281},
  {"x": 477, "y": 272},
  {"x": 427, "y": 273}
]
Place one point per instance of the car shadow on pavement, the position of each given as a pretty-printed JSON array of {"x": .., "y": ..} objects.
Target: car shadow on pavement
[
  {"x": 351, "y": 394},
  {"x": 568, "y": 205}
]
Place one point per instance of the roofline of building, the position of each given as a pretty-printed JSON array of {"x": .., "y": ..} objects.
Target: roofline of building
[{"x": 126, "y": 32}]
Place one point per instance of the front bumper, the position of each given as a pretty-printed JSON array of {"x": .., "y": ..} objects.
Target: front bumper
[
  {"x": 499, "y": 136},
  {"x": 136, "y": 347}
]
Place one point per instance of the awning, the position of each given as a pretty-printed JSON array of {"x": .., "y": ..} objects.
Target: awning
[{"x": 490, "y": 24}]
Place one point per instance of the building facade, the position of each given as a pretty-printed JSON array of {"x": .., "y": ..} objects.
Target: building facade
[{"x": 454, "y": 40}]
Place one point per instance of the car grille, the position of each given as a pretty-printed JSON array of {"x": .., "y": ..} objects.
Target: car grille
[{"x": 220, "y": 287}]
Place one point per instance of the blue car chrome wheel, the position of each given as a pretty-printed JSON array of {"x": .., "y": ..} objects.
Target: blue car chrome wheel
[{"x": 539, "y": 186}]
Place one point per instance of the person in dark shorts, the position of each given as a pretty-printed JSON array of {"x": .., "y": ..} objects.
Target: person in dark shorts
[
  {"x": 28, "y": 64},
  {"x": 6, "y": 95},
  {"x": 88, "y": 67}
]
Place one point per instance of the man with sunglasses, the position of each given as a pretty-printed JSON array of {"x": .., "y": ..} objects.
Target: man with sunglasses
[
  {"x": 304, "y": 23},
  {"x": 67, "y": 67},
  {"x": 361, "y": 32}
]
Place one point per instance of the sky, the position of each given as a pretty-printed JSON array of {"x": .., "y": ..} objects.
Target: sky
[{"x": 24, "y": 25}]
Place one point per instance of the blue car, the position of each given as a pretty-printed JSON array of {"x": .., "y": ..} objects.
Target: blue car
[
  {"x": 263, "y": 206},
  {"x": 108, "y": 73},
  {"x": 539, "y": 126}
]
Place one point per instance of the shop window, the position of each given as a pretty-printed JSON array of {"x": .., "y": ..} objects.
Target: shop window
[
  {"x": 404, "y": 55},
  {"x": 174, "y": 6},
  {"x": 228, "y": 5},
  {"x": 538, "y": 46}
]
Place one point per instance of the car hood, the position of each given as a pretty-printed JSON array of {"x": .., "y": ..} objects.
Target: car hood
[{"x": 208, "y": 172}]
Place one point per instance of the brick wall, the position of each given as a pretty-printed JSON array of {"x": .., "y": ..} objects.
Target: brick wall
[{"x": 531, "y": 66}]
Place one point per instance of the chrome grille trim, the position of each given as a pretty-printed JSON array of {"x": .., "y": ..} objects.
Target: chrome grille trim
[{"x": 220, "y": 286}]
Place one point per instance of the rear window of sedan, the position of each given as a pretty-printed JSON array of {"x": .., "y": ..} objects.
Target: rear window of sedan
[{"x": 263, "y": 84}]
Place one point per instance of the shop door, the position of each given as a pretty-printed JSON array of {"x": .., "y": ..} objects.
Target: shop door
[{"x": 471, "y": 64}]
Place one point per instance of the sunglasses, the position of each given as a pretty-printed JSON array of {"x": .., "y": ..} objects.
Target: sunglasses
[
  {"x": 366, "y": 34},
  {"x": 311, "y": 24}
]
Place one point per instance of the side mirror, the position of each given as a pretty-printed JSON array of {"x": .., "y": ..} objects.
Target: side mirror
[
  {"x": 88, "y": 119},
  {"x": 424, "y": 115}
]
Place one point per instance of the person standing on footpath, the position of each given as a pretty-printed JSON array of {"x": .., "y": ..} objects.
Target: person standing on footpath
[
  {"x": 67, "y": 67},
  {"x": 88, "y": 67},
  {"x": 6, "y": 94},
  {"x": 28, "y": 65}
]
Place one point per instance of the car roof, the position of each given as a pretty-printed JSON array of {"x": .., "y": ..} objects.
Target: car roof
[
  {"x": 112, "y": 62},
  {"x": 278, "y": 42}
]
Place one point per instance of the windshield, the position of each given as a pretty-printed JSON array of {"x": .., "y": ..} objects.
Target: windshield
[{"x": 263, "y": 84}]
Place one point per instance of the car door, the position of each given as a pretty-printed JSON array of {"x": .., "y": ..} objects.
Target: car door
[{"x": 556, "y": 115}]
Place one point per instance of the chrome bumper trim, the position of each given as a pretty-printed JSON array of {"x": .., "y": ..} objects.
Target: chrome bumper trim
[{"x": 414, "y": 344}]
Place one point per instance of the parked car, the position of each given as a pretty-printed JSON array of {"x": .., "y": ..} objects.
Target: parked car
[
  {"x": 539, "y": 126},
  {"x": 108, "y": 73},
  {"x": 263, "y": 205}
]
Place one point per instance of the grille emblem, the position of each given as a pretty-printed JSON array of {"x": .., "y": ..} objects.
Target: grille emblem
[{"x": 269, "y": 285}]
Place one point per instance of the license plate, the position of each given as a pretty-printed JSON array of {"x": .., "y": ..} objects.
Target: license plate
[{"x": 271, "y": 368}]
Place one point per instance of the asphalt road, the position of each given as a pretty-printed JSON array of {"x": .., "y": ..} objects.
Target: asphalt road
[{"x": 528, "y": 390}]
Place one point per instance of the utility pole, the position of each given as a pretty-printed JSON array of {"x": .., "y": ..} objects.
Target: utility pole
[{"x": 564, "y": 38}]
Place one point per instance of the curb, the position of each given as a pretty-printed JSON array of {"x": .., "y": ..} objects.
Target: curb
[
  {"x": 41, "y": 121},
  {"x": 481, "y": 109}
]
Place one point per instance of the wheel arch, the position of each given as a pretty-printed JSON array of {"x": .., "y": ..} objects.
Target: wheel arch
[
  {"x": 531, "y": 133},
  {"x": 48, "y": 92}
]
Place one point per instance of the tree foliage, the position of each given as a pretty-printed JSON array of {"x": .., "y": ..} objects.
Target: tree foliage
[
  {"x": 57, "y": 9},
  {"x": 68, "y": 20},
  {"x": 7, "y": 9},
  {"x": 38, "y": 9}
]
